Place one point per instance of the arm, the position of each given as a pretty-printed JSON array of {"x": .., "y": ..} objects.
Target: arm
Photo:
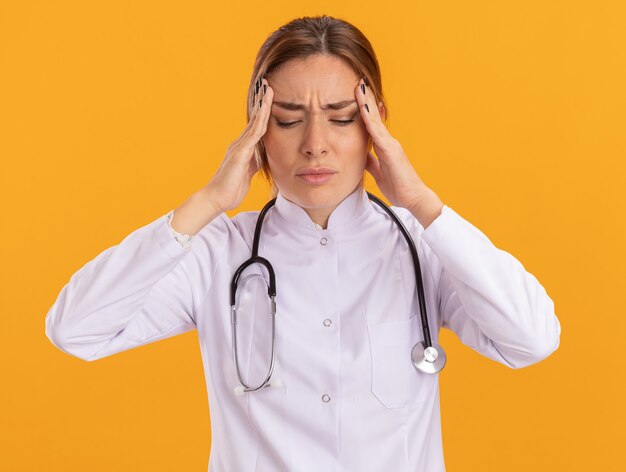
[
  {"x": 133, "y": 293},
  {"x": 487, "y": 297},
  {"x": 138, "y": 291}
]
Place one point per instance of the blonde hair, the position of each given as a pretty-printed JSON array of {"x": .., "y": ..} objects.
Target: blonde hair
[{"x": 306, "y": 36}]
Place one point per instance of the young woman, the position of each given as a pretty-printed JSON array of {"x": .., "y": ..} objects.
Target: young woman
[{"x": 345, "y": 393}]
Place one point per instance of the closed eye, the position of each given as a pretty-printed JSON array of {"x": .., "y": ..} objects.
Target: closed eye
[{"x": 291, "y": 123}]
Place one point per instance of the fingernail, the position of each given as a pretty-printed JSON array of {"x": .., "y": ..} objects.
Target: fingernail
[
  {"x": 363, "y": 88},
  {"x": 367, "y": 108}
]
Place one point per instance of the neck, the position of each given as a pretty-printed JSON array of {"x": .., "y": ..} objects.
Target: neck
[
  {"x": 319, "y": 215},
  {"x": 322, "y": 215}
]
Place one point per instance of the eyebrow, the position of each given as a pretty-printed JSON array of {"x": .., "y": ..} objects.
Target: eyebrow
[{"x": 328, "y": 106}]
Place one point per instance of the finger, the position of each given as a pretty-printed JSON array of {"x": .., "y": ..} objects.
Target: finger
[
  {"x": 370, "y": 113},
  {"x": 365, "y": 96},
  {"x": 260, "y": 113},
  {"x": 256, "y": 90},
  {"x": 257, "y": 86},
  {"x": 368, "y": 97},
  {"x": 259, "y": 117},
  {"x": 264, "y": 106},
  {"x": 243, "y": 137}
]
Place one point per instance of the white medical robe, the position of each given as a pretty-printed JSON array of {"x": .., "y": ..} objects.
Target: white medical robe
[{"x": 347, "y": 318}]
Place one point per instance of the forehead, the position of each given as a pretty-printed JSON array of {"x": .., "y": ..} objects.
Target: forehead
[{"x": 317, "y": 78}]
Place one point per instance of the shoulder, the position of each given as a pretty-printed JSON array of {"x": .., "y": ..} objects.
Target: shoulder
[
  {"x": 219, "y": 236},
  {"x": 245, "y": 222},
  {"x": 412, "y": 224},
  {"x": 426, "y": 256}
]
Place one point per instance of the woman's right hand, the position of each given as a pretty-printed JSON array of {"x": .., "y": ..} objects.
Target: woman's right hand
[{"x": 231, "y": 182}]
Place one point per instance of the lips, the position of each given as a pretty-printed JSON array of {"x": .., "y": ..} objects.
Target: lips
[
  {"x": 316, "y": 176},
  {"x": 317, "y": 171}
]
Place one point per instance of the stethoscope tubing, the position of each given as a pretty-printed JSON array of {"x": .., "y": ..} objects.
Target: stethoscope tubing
[
  {"x": 271, "y": 291},
  {"x": 419, "y": 349},
  {"x": 416, "y": 264}
]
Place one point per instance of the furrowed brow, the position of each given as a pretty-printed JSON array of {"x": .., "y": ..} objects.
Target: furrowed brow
[{"x": 329, "y": 106}]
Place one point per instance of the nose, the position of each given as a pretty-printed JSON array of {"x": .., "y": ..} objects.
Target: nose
[{"x": 315, "y": 139}]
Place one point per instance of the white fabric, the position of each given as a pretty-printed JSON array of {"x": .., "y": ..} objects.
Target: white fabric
[
  {"x": 185, "y": 240},
  {"x": 347, "y": 319}
]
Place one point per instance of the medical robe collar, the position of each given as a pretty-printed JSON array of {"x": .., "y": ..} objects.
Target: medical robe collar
[{"x": 347, "y": 212}]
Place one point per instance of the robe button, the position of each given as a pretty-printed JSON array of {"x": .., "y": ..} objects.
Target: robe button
[
  {"x": 325, "y": 398},
  {"x": 323, "y": 241},
  {"x": 327, "y": 322}
]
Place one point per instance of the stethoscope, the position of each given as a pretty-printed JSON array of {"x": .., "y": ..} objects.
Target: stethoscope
[{"x": 427, "y": 356}]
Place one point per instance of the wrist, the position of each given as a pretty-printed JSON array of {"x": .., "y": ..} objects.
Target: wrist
[
  {"x": 209, "y": 199},
  {"x": 426, "y": 208}
]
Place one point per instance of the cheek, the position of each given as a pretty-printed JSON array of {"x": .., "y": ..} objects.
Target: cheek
[
  {"x": 356, "y": 145},
  {"x": 275, "y": 141},
  {"x": 277, "y": 152}
]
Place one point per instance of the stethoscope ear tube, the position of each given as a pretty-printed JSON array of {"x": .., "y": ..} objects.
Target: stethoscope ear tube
[
  {"x": 271, "y": 291},
  {"x": 257, "y": 228},
  {"x": 416, "y": 264},
  {"x": 255, "y": 257},
  {"x": 427, "y": 357},
  {"x": 244, "y": 386}
]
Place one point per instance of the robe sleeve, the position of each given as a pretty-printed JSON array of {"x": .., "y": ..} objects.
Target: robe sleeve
[
  {"x": 134, "y": 293},
  {"x": 185, "y": 240},
  {"x": 487, "y": 298}
]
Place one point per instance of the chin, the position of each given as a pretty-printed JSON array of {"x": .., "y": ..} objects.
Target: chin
[{"x": 319, "y": 196}]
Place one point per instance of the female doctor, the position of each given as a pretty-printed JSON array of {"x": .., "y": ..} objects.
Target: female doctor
[{"x": 344, "y": 394}]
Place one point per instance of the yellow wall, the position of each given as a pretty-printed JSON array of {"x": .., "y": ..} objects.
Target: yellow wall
[{"x": 113, "y": 113}]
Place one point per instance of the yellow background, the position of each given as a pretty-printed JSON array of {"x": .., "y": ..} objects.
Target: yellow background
[{"x": 112, "y": 113}]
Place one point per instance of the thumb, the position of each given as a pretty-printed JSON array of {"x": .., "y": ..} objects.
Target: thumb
[{"x": 253, "y": 167}]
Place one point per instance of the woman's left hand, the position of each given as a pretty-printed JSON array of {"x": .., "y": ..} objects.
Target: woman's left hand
[{"x": 392, "y": 170}]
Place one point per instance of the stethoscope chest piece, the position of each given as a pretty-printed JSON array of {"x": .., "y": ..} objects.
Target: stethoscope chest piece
[{"x": 428, "y": 360}]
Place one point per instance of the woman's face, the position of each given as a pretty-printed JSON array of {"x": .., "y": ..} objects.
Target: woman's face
[{"x": 303, "y": 134}]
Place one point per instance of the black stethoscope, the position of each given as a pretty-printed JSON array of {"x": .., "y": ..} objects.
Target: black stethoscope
[{"x": 427, "y": 356}]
